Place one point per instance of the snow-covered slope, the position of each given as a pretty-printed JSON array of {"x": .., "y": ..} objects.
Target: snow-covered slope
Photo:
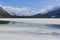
[
  {"x": 22, "y": 11},
  {"x": 25, "y": 11},
  {"x": 52, "y": 13}
]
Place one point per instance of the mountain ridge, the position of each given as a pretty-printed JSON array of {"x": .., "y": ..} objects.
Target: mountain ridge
[
  {"x": 5, "y": 14},
  {"x": 54, "y": 13}
]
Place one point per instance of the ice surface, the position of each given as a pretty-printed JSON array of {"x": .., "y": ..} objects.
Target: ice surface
[{"x": 29, "y": 31}]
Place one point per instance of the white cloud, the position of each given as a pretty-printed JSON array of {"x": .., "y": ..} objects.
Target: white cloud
[
  {"x": 56, "y": 0},
  {"x": 43, "y": 11},
  {"x": 50, "y": 6},
  {"x": 14, "y": 9}
]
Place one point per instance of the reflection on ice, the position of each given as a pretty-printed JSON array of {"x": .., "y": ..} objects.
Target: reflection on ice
[
  {"x": 4, "y": 22},
  {"x": 29, "y": 29},
  {"x": 54, "y": 26}
]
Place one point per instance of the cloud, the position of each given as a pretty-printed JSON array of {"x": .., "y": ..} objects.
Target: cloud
[
  {"x": 48, "y": 8},
  {"x": 43, "y": 11},
  {"x": 56, "y": 0},
  {"x": 14, "y": 9}
]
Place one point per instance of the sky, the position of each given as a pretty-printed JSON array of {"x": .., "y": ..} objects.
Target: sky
[{"x": 34, "y": 6}]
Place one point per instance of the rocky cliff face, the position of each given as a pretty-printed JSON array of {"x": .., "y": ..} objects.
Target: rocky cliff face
[{"x": 5, "y": 14}]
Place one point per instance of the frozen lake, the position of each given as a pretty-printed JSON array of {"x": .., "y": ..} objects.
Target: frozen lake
[
  {"x": 29, "y": 30},
  {"x": 34, "y": 20}
]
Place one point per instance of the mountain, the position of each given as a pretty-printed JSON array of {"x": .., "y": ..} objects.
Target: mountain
[
  {"x": 37, "y": 15},
  {"x": 5, "y": 14},
  {"x": 55, "y": 13}
]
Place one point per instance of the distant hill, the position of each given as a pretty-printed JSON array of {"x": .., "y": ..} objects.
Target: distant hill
[
  {"x": 5, "y": 14},
  {"x": 37, "y": 15},
  {"x": 55, "y": 13}
]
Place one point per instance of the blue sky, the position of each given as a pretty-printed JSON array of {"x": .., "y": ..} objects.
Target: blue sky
[
  {"x": 37, "y": 4},
  {"x": 28, "y": 3}
]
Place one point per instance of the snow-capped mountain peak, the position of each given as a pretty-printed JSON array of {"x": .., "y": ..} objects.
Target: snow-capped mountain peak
[{"x": 22, "y": 11}]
